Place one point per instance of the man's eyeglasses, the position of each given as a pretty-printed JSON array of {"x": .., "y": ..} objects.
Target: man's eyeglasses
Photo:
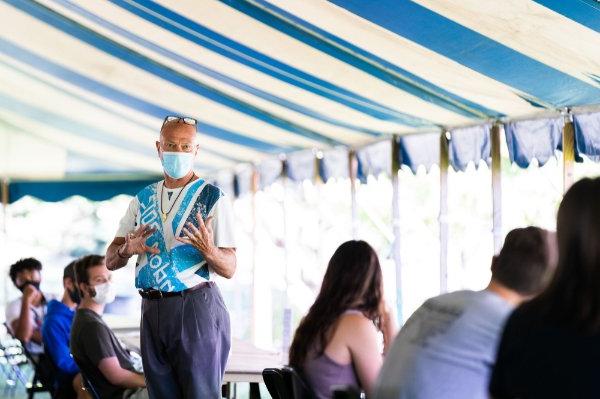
[
  {"x": 183, "y": 147},
  {"x": 185, "y": 119}
]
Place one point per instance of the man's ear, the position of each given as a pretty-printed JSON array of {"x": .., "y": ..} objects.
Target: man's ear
[
  {"x": 82, "y": 289},
  {"x": 158, "y": 147}
]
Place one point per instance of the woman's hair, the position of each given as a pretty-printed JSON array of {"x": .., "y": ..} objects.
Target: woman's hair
[
  {"x": 573, "y": 298},
  {"x": 352, "y": 281}
]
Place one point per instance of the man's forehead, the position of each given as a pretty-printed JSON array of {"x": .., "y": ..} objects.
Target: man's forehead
[
  {"x": 29, "y": 273},
  {"x": 175, "y": 129},
  {"x": 99, "y": 270}
]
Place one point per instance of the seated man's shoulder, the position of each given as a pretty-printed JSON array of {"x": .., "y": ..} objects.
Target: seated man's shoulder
[
  {"x": 86, "y": 322},
  {"x": 13, "y": 306}
]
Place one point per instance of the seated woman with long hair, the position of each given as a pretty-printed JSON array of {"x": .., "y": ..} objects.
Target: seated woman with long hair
[
  {"x": 338, "y": 342},
  {"x": 550, "y": 347}
]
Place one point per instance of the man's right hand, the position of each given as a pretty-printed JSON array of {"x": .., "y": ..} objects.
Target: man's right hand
[
  {"x": 135, "y": 242},
  {"x": 31, "y": 295}
]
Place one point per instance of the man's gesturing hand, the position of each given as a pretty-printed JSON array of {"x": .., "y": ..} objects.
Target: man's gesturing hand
[
  {"x": 135, "y": 242},
  {"x": 202, "y": 237}
]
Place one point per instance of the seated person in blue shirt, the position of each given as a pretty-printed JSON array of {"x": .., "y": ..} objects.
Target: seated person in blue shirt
[
  {"x": 447, "y": 348},
  {"x": 56, "y": 333}
]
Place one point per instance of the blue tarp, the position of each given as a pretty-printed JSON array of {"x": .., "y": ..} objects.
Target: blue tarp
[
  {"x": 421, "y": 149},
  {"x": 374, "y": 160},
  {"x": 470, "y": 144},
  {"x": 587, "y": 135},
  {"x": 59, "y": 190},
  {"x": 531, "y": 139},
  {"x": 334, "y": 164},
  {"x": 301, "y": 166}
]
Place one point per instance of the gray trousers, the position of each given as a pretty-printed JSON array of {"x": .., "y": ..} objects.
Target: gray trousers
[{"x": 185, "y": 343}]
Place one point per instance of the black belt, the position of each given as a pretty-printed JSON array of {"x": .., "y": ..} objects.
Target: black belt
[{"x": 156, "y": 294}]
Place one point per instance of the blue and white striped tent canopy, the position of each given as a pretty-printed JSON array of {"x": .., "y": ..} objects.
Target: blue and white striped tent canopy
[{"x": 84, "y": 85}]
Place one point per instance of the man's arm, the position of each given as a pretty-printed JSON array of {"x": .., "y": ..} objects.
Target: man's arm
[
  {"x": 222, "y": 261},
  {"x": 118, "y": 376},
  {"x": 56, "y": 344},
  {"x": 123, "y": 248},
  {"x": 23, "y": 326},
  {"x": 113, "y": 260}
]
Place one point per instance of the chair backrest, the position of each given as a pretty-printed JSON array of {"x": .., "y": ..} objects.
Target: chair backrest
[
  {"x": 276, "y": 385},
  {"x": 300, "y": 389},
  {"x": 89, "y": 387},
  {"x": 343, "y": 392},
  {"x": 44, "y": 370}
]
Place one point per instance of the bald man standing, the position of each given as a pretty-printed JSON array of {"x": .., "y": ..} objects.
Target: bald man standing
[{"x": 181, "y": 230}]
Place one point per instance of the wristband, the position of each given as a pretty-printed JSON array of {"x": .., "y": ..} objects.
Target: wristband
[{"x": 119, "y": 253}]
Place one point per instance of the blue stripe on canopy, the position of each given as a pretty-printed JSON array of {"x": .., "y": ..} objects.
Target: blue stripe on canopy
[
  {"x": 125, "y": 99},
  {"x": 403, "y": 79},
  {"x": 585, "y": 12},
  {"x": 535, "y": 139},
  {"x": 414, "y": 22},
  {"x": 152, "y": 66},
  {"x": 587, "y": 135},
  {"x": 211, "y": 72},
  {"x": 227, "y": 47}
]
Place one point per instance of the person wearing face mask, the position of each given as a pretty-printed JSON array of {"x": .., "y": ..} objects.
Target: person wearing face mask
[
  {"x": 24, "y": 315},
  {"x": 181, "y": 230},
  {"x": 96, "y": 350},
  {"x": 56, "y": 332}
]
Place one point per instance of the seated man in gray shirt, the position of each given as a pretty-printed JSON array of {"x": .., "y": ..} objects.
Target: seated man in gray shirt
[
  {"x": 448, "y": 346},
  {"x": 102, "y": 360}
]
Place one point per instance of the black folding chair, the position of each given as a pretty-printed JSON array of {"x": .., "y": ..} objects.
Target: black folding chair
[
  {"x": 276, "y": 385},
  {"x": 296, "y": 384},
  {"x": 348, "y": 393},
  {"x": 89, "y": 387},
  {"x": 44, "y": 372}
]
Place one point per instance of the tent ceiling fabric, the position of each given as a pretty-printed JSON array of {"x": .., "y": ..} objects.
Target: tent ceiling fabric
[{"x": 264, "y": 77}]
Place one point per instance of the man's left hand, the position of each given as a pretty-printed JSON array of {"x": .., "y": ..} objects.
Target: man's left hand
[{"x": 200, "y": 238}]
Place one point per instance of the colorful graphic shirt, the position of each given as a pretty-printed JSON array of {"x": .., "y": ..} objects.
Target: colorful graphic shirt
[{"x": 178, "y": 266}]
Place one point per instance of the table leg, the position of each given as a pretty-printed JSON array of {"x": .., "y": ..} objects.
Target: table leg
[{"x": 254, "y": 390}]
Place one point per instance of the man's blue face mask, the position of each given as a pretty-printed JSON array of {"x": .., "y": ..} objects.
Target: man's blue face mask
[{"x": 177, "y": 164}]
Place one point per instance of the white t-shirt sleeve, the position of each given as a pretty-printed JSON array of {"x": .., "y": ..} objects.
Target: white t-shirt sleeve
[
  {"x": 127, "y": 223},
  {"x": 13, "y": 311},
  {"x": 223, "y": 228}
]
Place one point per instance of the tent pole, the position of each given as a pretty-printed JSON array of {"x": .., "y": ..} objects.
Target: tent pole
[
  {"x": 568, "y": 153},
  {"x": 287, "y": 311},
  {"x": 3, "y": 235},
  {"x": 4, "y": 204},
  {"x": 352, "y": 172},
  {"x": 396, "y": 225},
  {"x": 254, "y": 190},
  {"x": 496, "y": 188},
  {"x": 443, "y": 218}
]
